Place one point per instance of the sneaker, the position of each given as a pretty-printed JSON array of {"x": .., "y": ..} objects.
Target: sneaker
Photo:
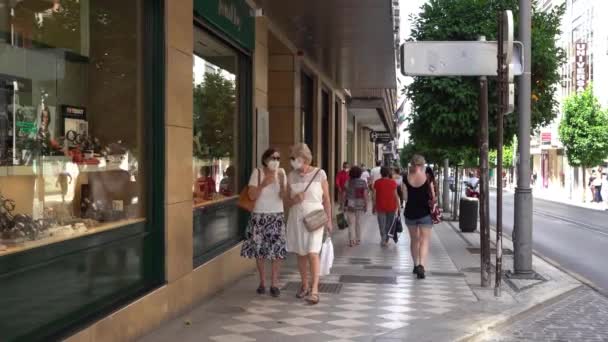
[{"x": 421, "y": 272}]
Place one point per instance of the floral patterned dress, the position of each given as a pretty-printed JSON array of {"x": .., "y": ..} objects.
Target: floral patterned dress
[{"x": 266, "y": 228}]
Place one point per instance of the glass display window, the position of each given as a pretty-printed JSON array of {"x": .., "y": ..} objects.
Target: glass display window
[
  {"x": 71, "y": 120},
  {"x": 215, "y": 121}
]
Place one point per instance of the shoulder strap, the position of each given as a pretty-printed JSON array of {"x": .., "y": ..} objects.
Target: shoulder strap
[
  {"x": 312, "y": 179},
  {"x": 259, "y": 177}
]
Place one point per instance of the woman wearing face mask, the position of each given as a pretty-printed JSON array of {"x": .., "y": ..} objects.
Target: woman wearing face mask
[
  {"x": 305, "y": 244},
  {"x": 266, "y": 230}
]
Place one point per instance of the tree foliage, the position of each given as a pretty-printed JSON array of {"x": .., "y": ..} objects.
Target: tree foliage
[
  {"x": 445, "y": 109},
  {"x": 507, "y": 157},
  {"x": 214, "y": 115},
  {"x": 584, "y": 130}
]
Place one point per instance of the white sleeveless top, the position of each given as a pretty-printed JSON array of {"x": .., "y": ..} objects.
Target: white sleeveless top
[{"x": 299, "y": 239}]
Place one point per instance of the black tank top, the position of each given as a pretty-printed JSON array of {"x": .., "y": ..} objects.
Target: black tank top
[{"x": 417, "y": 201}]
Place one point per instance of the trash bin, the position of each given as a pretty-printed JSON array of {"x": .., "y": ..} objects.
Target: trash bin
[{"x": 469, "y": 209}]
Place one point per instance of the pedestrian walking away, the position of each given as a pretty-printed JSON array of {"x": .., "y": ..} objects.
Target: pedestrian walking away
[
  {"x": 354, "y": 203},
  {"x": 597, "y": 188},
  {"x": 419, "y": 197},
  {"x": 266, "y": 229},
  {"x": 341, "y": 179},
  {"x": 308, "y": 192},
  {"x": 400, "y": 187},
  {"x": 375, "y": 174},
  {"x": 386, "y": 203}
]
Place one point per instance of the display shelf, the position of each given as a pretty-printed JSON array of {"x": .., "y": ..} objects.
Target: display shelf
[
  {"x": 202, "y": 203},
  {"x": 33, "y": 170},
  {"x": 52, "y": 239},
  {"x": 7, "y": 171}
]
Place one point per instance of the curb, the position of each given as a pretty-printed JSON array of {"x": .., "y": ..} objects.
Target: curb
[{"x": 500, "y": 324}]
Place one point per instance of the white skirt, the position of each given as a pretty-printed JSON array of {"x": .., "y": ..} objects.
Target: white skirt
[{"x": 299, "y": 239}]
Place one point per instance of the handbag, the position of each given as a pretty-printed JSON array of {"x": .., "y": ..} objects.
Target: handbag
[
  {"x": 245, "y": 202},
  {"x": 326, "y": 259},
  {"x": 435, "y": 211},
  {"x": 342, "y": 222},
  {"x": 318, "y": 218}
]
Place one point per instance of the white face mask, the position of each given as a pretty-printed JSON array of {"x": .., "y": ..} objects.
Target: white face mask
[
  {"x": 273, "y": 165},
  {"x": 297, "y": 163}
]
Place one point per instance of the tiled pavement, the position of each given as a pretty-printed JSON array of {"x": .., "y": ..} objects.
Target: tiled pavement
[
  {"x": 359, "y": 312},
  {"x": 581, "y": 316}
]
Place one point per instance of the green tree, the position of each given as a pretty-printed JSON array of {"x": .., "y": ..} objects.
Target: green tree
[
  {"x": 584, "y": 131},
  {"x": 507, "y": 157},
  {"x": 214, "y": 117},
  {"x": 446, "y": 108}
]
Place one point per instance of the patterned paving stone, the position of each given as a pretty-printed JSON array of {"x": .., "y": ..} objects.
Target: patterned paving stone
[
  {"x": 582, "y": 316},
  {"x": 360, "y": 312}
]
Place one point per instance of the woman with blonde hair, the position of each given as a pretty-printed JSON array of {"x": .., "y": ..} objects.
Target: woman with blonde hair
[
  {"x": 308, "y": 191},
  {"x": 419, "y": 196}
]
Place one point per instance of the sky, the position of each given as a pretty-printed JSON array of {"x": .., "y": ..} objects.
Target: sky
[{"x": 406, "y": 7}]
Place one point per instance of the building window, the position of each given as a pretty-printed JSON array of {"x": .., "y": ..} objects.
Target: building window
[
  {"x": 215, "y": 121},
  {"x": 71, "y": 120},
  {"x": 221, "y": 148}
]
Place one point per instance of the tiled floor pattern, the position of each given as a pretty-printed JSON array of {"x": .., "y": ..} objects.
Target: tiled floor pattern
[{"x": 360, "y": 312}]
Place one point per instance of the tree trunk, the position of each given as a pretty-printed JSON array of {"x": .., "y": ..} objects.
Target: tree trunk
[
  {"x": 584, "y": 184},
  {"x": 455, "y": 204}
]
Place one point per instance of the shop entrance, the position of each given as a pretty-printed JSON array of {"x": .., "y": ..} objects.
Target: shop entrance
[{"x": 307, "y": 115}]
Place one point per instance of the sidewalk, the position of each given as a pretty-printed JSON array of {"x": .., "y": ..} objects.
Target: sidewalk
[
  {"x": 561, "y": 196},
  {"x": 372, "y": 295}
]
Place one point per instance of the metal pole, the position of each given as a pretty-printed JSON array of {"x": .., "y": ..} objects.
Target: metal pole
[
  {"x": 502, "y": 104},
  {"x": 446, "y": 185},
  {"x": 484, "y": 222},
  {"x": 455, "y": 202},
  {"x": 522, "y": 232}
]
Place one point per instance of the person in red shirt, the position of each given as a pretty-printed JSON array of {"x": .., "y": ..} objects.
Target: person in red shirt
[
  {"x": 205, "y": 185},
  {"x": 386, "y": 203},
  {"x": 342, "y": 178}
]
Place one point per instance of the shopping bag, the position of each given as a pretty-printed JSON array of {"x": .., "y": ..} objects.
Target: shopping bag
[
  {"x": 327, "y": 257},
  {"x": 342, "y": 222}
]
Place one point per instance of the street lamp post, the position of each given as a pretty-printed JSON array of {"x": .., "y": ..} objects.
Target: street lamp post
[{"x": 522, "y": 232}]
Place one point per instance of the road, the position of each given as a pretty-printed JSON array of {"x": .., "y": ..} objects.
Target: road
[{"x": 573, "y": 237}]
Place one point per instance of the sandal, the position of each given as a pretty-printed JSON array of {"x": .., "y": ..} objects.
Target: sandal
[
  {"x": 261, "y": 290},
  {"x": 302, "y": 293},
  {"x": 275, "y": 292},
  {"x": 313, "y": 299}
]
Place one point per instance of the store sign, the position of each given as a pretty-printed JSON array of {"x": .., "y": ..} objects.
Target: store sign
[
  {"x": 545, "y": 138},
  {"x": 581, "y": 71},
  {"x": 73, "y": 112},
  {"x": 380, "y": 136},
  {"x": 232, "y": 17}
]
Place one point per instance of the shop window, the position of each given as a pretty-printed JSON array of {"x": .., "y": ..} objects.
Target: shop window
[
  {"x": 220, "y": 143},
  {"x": 215, "y": 122},
  {"x": 71, "y": 120}
]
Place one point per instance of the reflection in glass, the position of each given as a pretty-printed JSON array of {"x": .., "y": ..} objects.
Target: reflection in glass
[
  {"x": 215, "y": 124},
  {"x": 71, "y": 118}
]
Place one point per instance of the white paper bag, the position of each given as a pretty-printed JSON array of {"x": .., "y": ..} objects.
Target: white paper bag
[{"x": 327, "y": 257}]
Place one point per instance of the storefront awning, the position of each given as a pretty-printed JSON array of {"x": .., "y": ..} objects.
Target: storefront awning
[{"x": 352, "y": 40}]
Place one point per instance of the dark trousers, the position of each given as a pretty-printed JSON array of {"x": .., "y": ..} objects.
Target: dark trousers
[{"x": 598, "y": 194}]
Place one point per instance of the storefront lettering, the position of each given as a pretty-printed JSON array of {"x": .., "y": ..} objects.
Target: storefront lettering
[
  {"x": 229, "y": 11},
  {"x": 581, "y": 67}
]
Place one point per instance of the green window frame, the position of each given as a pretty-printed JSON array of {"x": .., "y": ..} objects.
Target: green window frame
[{"x": 52, "y": 306}]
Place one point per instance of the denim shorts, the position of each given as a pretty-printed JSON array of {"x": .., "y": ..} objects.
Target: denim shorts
[{"x": 425, "y": 221}]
